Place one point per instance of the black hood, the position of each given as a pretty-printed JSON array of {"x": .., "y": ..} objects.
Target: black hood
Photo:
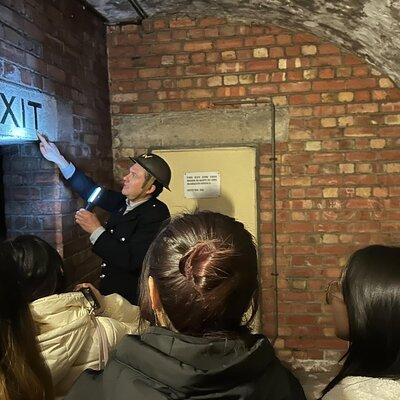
[
  {"x": 161, "y": 365},
  {"x": 193, "y": 365}
]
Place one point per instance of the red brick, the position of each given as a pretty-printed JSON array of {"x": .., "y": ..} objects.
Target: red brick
[
  {"x": 328, "y": 158},
  {"x": 361, "y": 71},
  {"x": 165, "y": 48},
  {"x": 200, "y": 69},
  {"x": 362, "y": 203},
  {"x": 182, "y": 23},
  {"x": 230, "y": 67},
  {"x": 159, "y": 24},
  {"x": 152, "y": 72},
  {"x": 326, "y": 60},
  {"x": 362, "y": 95},
  {"x": 305, "y": 38},
  {"x": 276, "y": 52},
  {"x": 295, "y": 75},
  {"x": 232, "y": 91},
  {"x": 198, "y": 58},
  {"x": 329, "y": 110},
  {"x": 327, "y": 48},
  {"x": 211, "y": 32},
  {"x": 305, "y": 99},
  {"x": 329, "y": 85},
  {"x": 264, "y": 40},
  {"x": 179, "y": 34},
  {"x": 261, "y": 65},
  {"x": 326, "y": 73},
  {"x": 361, "y": 156},
  {"x": 293, "y": 51},
  {"x": 211, "y": 21},
  {"x": 390, "y": 107},
  {"x": 295, "y": 87},
  {"x": 229, "y": 43},
  {"x": 278, "y": 77},
  {"x": 362, "y": 108},
  {"x": 164, "y": 36},
  {"x": 283, "y": 39},
  {"x": 195, "y": 33},
  {"x": 351, "y": 59},
  {"x": 197, "y": 46},
  {"x": 360, "y": 83},
  {"x": 226, "y": 30},
  {"x": 389, "y": 154}
]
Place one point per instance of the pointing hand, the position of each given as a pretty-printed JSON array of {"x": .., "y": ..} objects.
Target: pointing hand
[{"x": 50, "y": 151}]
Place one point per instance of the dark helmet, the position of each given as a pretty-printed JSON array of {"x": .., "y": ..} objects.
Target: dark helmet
[{"x": 155, "y": 166}]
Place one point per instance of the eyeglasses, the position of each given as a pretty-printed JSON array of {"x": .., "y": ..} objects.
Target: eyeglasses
[{"x": 333, "y": 290}]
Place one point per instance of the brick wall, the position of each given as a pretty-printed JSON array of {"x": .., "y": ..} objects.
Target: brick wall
[
  {"x": 56, "y": 47},
  {"x": 338, "y": 182}
]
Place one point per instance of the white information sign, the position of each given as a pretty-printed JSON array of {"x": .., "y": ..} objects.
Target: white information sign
[
  {"x": 24, "y": 111},
  {"x": 201, "y": 185}
]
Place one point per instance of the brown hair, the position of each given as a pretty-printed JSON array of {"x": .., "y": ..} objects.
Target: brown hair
[
  {"x": 204, "y": 266},
  {"x": 23, "y": 372}
]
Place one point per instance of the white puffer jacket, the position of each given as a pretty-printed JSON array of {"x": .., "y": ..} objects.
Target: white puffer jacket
[
  {"x": 364, "y": 388},
  {"x": 72, "y": 339}
]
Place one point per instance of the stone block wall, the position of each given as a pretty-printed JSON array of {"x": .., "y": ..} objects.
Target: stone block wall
[
  {"x": 338, "y": 185},
  {"x": 58, "y": 48}
]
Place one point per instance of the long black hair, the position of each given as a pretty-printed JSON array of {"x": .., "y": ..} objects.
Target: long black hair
[
  {"x": 371, "y": 291},
  {"x": 23, "y": 371},
  {"x": 204, "y": 266},
  {"x": 40, "y": 267}
]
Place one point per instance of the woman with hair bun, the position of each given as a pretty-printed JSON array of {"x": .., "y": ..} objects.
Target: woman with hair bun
[
  {"x": 199, "y": 279},
  {"x": 366, "y": 310}
]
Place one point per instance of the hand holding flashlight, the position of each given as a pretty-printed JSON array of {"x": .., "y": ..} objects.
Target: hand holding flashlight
[
  {"x": 87, "y": 220},
  {"x": 94, "y": 198}
]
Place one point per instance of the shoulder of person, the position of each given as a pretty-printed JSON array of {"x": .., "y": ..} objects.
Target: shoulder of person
[
  {"x": 154, "y": 209},
  {"x": 365, "y": 388}
]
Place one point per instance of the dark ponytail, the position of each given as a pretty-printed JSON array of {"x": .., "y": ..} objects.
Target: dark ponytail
[{"x": 204, "y": 266}]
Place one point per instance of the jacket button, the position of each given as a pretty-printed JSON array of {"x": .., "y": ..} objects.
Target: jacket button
[
  {"x": 111, "y": 230},
  {"x": 122, "y": 239},
  {"x": 102, "y": 276},
  {"x": 154, "y": 205},
  {"x": 103, "y": 264}
]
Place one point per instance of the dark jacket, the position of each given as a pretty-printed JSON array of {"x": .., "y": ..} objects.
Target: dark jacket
[
  {"x": 127, "y": 237},
  {"x": 163, "y": 365}
]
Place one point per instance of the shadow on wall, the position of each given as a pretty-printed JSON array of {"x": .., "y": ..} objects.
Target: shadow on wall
[{"x": 224, "y": 205}]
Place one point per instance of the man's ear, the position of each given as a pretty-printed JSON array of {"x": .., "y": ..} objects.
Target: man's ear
[
  {"x": 151, "y": 189},
  {"x": 154, "y": 296}
]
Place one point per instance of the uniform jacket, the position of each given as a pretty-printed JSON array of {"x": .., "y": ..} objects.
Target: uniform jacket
[
  {"x": 70, "y": 336},
  {"x": 162, "y": 365},
  {"x": 365, "y": 388},
  {"x": 127, "y": 237}
]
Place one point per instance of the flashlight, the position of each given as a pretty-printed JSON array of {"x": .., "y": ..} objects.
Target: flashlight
[{"x": 93, "y": 198}]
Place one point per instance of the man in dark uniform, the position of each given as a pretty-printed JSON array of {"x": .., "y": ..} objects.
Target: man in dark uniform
[{"x": 136, "y": 216}]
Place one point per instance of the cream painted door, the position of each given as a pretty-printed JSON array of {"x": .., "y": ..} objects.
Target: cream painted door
[{"x": 236, "y": 169}]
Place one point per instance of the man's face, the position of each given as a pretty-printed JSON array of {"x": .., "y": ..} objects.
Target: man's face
[{"x": 133, "y": 182}]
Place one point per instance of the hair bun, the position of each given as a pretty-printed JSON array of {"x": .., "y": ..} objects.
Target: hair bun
[{"x": 194, "y": 263}]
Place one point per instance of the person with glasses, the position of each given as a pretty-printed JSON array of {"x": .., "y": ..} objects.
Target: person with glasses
[{"x": 366, "y": 311}]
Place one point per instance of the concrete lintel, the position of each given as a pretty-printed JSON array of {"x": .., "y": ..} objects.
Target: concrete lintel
[{"x": 250, "y": 125}]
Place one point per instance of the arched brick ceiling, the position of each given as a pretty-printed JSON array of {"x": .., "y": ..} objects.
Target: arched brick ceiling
[{"x": 369, "y": 28}]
